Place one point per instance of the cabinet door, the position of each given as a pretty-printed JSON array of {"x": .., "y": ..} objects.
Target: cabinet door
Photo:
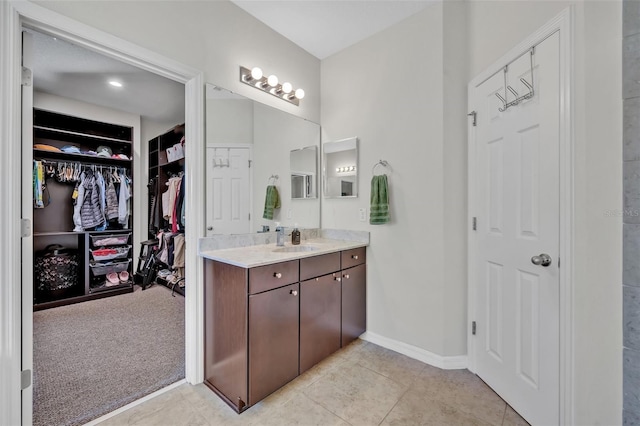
[
  {"x": 354, "y": 303},
  {"x": 319, "y": 319},
  {"x": 273, "y": 340}
]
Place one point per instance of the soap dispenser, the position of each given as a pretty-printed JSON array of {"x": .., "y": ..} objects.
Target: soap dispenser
[
  {"x": 279, "y": 235},
  {"x": 295, "y": 235}
]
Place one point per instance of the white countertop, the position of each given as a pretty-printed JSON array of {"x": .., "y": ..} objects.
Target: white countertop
[{"x": 264, "y": 254}]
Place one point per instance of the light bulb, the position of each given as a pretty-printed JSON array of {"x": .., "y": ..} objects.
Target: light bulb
[
  {"x": 256, "y": 73},
  {"x": 287, "y": 87},
  {"x": 115, "y": 83},
  {"x": 272, "y": 80},
  {"x": 299, "y": 93}
]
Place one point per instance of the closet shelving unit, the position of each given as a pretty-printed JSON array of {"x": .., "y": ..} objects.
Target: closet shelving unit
[
  {"x": 54, "y": 223},
  {"x": 160, "y": 170}
]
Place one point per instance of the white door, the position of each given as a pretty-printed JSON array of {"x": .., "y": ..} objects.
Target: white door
[
  {"x": 228, "y": 191},
  {"x": 27, "y": 242},
  {"x": 517, "y": 208}
]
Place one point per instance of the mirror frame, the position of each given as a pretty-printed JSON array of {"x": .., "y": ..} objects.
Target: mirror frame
[{"x": 347, "y": 141}]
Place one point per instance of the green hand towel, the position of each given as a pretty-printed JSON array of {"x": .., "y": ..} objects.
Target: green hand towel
[
  {"x": 379, "y": 210},
  {"x": 271, "y": 202}
]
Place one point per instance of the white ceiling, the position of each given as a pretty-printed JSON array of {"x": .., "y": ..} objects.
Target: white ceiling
[
  {"x": 64, "y": 69},
  {"x": 324, "y": 27}
]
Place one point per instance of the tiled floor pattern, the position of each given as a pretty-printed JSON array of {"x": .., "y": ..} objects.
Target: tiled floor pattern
[{"x": 362, "y": 384}]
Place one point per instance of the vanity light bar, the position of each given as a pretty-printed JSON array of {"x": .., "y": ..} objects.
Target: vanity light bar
[
  {"x": 346, "y": 169},
  {"x": 269, "y": 84}
]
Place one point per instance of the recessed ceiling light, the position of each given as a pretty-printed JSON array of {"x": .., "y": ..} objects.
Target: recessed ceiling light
[{"x": 115, "y": 83}]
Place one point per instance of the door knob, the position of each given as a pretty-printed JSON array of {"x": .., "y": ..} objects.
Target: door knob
[
  {"x": 209, "y": 228},
  {"x": 542, "y": 260}
]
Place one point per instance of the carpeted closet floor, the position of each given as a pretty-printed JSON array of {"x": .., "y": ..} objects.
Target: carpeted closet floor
[{"x": 94, "y": 357}]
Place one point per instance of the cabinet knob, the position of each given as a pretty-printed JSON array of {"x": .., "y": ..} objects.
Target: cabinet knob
[
  {"x": 294, "y": 292},
  {"x": 355, "y": 256},
  {"x": 277, "y": 274},
  {"x": 346, "y": 276},
  {"x": 337, "y": 278}
]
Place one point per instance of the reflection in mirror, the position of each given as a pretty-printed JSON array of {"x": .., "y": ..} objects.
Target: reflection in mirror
[
  {"x": 340, "y": 168},
  {"x": 303, "y": 164},
  {"x": 248, "y": 146}
]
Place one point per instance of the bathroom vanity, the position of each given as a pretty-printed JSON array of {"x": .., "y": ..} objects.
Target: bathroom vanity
[{"x": 272, "y": 313}]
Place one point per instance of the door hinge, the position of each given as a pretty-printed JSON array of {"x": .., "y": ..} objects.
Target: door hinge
[
  {"x": 27, "y": 76},
  {"x": 25, "y": 228},
  {"x": 558, "y": 262},
  {"x": 249, "y": 163},
  {"x": 249, "y": 216},
  {"x": 474, "y": 223},
  {"x": 473, "y": 114},
  {"x": 473, "y": 328},
  {"x": 25, "y": 379}
]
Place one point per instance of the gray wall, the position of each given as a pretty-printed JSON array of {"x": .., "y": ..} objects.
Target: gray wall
[{"x": 631, "y": 214}]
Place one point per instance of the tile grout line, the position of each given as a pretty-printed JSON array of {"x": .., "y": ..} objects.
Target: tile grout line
[
  {"x": 325, "y": 408},
  {"x": 504, "y": 415},
  {"x": 394, "y": 405}
]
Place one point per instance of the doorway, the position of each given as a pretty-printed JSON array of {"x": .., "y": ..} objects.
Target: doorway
[
  {"x": 16, "y": 407},
  {"x": 519, "y": 157},
  {"x": 96, "y": 336}
]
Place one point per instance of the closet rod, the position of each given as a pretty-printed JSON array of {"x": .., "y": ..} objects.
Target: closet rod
[{"x": 83, "y": 163}]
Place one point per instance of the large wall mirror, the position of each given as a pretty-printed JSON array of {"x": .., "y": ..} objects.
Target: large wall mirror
[
  {"x": 340, "y": 168},
  {"x": 250, "y": 147}
]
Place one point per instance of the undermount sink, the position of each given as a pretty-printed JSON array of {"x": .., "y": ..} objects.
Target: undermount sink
[{"x": 293, "y": 249}]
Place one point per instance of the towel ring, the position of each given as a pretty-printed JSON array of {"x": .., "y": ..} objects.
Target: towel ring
[{"x": 383, "y": 163}]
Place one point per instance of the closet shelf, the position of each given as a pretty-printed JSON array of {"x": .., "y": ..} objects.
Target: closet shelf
[
  {"x": 43, "y": 154},
  {"x": 53, "y": 234},
  {"x": 69, "y": 135}
]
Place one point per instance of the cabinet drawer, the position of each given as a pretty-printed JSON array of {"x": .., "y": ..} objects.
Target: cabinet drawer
[
  {"x": 354, "y": 257},
  {"x": 267, "y": 277},
  {"x": 316, "y": 266}
]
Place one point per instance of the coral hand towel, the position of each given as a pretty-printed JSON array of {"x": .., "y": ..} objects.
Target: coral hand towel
[{"x": 379, "y": 210}]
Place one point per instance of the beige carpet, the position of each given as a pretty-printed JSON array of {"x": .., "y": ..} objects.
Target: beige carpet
[{"x": 94, "y": 357}]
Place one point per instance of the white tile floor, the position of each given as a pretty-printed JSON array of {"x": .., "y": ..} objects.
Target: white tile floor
[{"x": 362, "y": 384}]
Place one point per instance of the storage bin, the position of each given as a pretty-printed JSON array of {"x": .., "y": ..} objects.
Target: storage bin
[
  {"x": 103, "y": 240},
  {"x": 113, "y": 253},
  {"x": 109, "y": 267},
  {"x": 56, "y": 270}
]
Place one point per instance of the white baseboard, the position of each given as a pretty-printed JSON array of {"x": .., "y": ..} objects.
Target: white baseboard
[
  {"x": 445, "y": 362},
  {"x": 136, "y": 402}
]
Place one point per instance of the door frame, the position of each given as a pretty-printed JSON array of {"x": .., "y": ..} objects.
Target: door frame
[
  {"x": 562, "y": 23},
  {"x": 248, "y": 146},
  {"x": 15, "y": 14}
]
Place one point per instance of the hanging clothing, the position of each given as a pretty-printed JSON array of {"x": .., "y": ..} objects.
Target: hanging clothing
[
  {"x": 123, "y": 202},
  {"x": 38, "y": 184},
  {"x": 90, "y": 214},
  {"x": 111, "y": 201}
]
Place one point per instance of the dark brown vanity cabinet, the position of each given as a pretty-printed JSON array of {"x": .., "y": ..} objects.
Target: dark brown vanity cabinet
[
  {"x": 320, "y": 301},
  {"x": 354, "y": 294},
  {"x": 273, "y": 340},
  {"x": 265, "y": 325}
]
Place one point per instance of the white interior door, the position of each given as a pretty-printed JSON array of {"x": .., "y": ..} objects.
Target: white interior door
[
  {"x": 27, "y": 214},
  {"x": 517, "y": 207},
  {"x": 228, "y": 191}
]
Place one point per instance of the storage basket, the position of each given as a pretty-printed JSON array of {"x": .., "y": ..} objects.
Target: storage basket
[
  {"x": 56, "y": 269},
  {"x": 109, "y": 267},
  {"x": 110, "y": 253},
  {"x": 103, "y": 240}
]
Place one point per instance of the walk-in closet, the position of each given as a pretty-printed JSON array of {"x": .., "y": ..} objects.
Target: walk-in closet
[{"x": 107, "y": 235}]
